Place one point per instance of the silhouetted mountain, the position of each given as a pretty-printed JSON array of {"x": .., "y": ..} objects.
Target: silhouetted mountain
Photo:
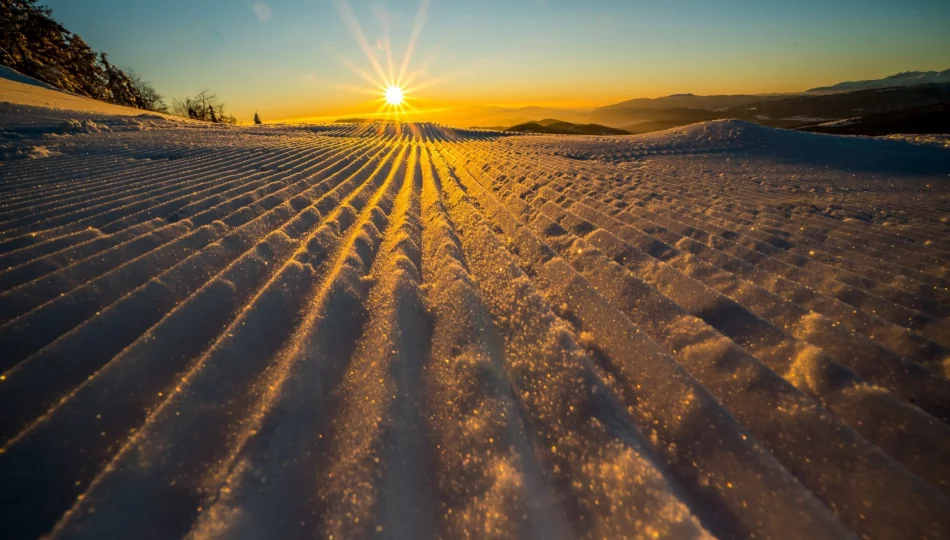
[
  {"x": 686, "y": 101},
  {"x": 785, "y": 111},
  {"x": 809, "y": 109},
  {"x": 566, "y": 128},
  {"x": 907, "y": 78},
  {"x": 844, "y": 100},
  {"x": 487, "y": 116},
  {"x": 678, "y": 109},
  {"x": 919, "y": 120}
]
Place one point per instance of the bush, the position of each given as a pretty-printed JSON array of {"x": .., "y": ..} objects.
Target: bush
[
  {"x": 151, "y": 99},
  {"x": 204, "y": 106}
]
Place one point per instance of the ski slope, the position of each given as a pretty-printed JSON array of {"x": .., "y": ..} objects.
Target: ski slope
[{"x": 414, "y": 331}]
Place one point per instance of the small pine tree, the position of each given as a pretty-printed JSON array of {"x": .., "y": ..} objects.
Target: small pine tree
[{"x": 257, "y": 118}]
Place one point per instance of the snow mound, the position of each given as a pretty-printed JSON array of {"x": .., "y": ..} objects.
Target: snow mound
[
  {"x": 74, "y": 127},
  {"x": 741, "y": 138},
  {"x": 714, "y": 134},
  {"x": 13, "y": 75},
  {"x": 9, "y": 152},
  {"x": 931, "y": 139}
]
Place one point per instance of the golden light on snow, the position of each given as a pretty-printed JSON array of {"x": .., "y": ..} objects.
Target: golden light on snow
[{"x": 394, "y": 95}]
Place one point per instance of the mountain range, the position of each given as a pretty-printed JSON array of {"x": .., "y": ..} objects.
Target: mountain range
[
  {"x": 916, "y": 120},
  {"x": 922, "y": 93},
  {"x": 907, "y": 78}
]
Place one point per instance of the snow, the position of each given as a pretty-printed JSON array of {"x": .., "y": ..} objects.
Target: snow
[
  {"x": 806, "y": 119},
  {"x": 719, "y": 330},
  {"x": 934, "y": 139},
  {"x": 20, "y": 96},
  {"x": 840, "y": 123},
  {"x": 9, "y": 74}
]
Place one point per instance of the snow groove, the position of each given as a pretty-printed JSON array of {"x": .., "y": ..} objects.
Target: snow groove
[{"x": 410, "y": 330}]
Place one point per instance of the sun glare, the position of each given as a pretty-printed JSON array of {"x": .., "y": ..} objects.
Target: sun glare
[
  {"x": 391, "y": 83},
  {"x": 394, "y": 95}
]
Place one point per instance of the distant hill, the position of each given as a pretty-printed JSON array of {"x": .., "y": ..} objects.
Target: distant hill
[
  {"x": 811, "y": 109},
  {"x": 844, "y": 100},
  {"x": 566, "y": 128},
  {"x": 907, "y": 78},
  {"x": 688, "y": 101},
  {"x": 678, "y": 109},
  {"x": 784, "y": 111},
  {"x": 929, "y": 119},
  {"x": 488, "y": 116}
]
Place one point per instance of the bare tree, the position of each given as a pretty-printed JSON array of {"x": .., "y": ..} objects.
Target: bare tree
[
  {"x": 151, "y": 99},
  {"x": 119, "y": 87},
  {"x": 204, "y": 106}
]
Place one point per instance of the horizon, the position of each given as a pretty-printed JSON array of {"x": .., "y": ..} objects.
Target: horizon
[{"x": 299, "y": 60}]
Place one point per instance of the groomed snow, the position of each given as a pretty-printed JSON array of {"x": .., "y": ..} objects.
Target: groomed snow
[
  {"x": 354, "y": 330},
  {"x": 21, "y": 95}
]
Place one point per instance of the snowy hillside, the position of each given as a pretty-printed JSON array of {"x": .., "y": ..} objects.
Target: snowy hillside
[
  {"x": 34, "y": 114},
  {"x": 907, "y": 78},
  {"x": 21, "y": 96},
  {"x": 723, "y": 330}
]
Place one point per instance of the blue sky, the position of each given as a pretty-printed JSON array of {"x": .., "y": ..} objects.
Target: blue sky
[{"x": 284, "y": 59}]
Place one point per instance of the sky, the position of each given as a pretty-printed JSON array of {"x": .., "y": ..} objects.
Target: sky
[{"x": 294, "y": 59}]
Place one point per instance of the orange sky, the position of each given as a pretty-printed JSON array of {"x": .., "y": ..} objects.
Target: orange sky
[{"x": 304, "y": 58}]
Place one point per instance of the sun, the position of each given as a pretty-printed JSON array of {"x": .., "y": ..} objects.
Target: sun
[
  {"x": 394, "y": 86},
  {"x": 394, "y": 95}
]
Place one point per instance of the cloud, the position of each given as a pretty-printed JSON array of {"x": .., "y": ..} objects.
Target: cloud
[{"x": 262, "y": 11}]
